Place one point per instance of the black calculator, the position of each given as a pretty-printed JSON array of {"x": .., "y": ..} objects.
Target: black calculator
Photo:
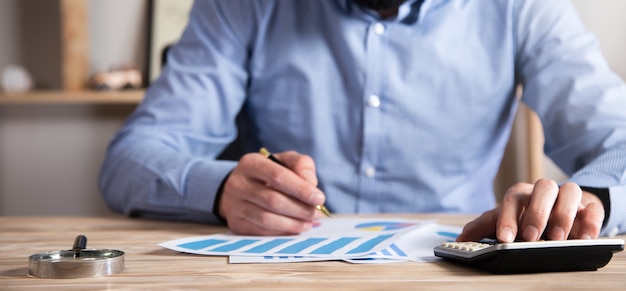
[{"x": 532, "y": 257}]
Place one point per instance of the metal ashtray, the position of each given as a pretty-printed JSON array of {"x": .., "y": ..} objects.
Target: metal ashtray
[{"x": 76, "y": 263}]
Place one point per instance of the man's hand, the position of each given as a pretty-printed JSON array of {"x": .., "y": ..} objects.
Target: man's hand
[
  {"x": 528, "y": 210},
  {"x": 261, "y": 197}
]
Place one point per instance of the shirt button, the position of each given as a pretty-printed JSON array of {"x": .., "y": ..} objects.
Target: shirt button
[
  {"x": 379, "y": 28},
  {"x": 374, "y": 101},
  {"x": 370, "y": 172}
]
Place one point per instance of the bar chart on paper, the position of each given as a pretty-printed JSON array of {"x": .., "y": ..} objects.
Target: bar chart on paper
[
  {"x": 336, "y": 238},
  {"x": 416, "y": 245}
]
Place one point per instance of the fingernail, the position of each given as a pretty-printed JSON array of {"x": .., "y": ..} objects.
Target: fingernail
[
  {"x": 316, "y": 198},
  {"x": 531, "y": 233},
  {"x": 506, "y": 235},
  {"x": 585, "y": 236}
]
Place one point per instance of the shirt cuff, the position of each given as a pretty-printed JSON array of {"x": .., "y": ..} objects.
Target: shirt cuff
[
  {"x": 203, "y": 182},
  {"x": 617, "y": 219}
]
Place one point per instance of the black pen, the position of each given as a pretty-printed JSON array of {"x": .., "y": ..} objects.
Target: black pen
[{"x": 269, "y": 155}]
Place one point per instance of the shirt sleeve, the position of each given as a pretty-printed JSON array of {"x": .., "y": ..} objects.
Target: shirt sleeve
[
  {"x": 580, "y": 101},
  {"x": 162, "y": 163}
]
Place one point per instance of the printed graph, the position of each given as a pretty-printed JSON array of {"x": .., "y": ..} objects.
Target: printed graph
[
  {"x": 383, "y": 225},
  {"x": 335, "y": 238},
  {"x": 417, "y": 246},
  {"x": 313, "y": 246}
]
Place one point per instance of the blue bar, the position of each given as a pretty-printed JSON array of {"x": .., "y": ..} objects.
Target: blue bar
[
  {"x": 197, "y": 245},
  {"x": 268, "y": 245},
  {"x": 398, "y": 251},
  {"x": 385, "y": 252},
  {"x": 368, "y": 245},
  {"x": 333, "y": 246},
  {"x": 234, "y": 246},
  {"x": 300, "y": 246}
]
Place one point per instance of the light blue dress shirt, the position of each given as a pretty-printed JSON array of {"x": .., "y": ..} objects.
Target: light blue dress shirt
[{"x": 404, "y": 115}]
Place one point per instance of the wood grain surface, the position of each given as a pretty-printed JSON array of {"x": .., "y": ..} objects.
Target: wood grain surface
[{"x": 151, "y": 267}]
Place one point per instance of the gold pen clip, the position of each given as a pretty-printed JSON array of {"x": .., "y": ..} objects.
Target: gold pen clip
[{"x": 269, "y": 155}]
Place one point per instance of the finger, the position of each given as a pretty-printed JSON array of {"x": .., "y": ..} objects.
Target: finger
[
  {"x": 589, "y": 221},
  {"x": 252, "y": 220},
  {"x": 564, "y": 211},
  {"x": 239, "y": 189},
  {"x": 479, "y": 228},
  {"x": 279, "y": 203},
  {"x": 538, "y": 212},
  {"x": 280, "y": 178},
  {"x": 250, "y": 206},
  {"x": 286, "y": 181},
  {"x": 513, "y": 203},
  {"x": 302, "y": 165}
]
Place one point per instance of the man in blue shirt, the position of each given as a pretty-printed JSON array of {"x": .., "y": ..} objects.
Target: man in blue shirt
[{"x": 372, "y": 107}]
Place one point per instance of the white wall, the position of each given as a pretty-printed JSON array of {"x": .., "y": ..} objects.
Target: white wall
[
  {"x": 50, "y": 157},
  {"x": 606, "y": 19}
]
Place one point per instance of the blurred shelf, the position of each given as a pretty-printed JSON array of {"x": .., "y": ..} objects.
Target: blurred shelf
[{"x": 130, "y": 97}]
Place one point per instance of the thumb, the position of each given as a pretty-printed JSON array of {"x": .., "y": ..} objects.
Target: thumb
[{"x": 482, "y": 227}]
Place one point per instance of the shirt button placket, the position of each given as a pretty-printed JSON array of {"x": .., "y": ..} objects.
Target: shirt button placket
[
  {"x": 372, "y": 118},
  {"x": 373, "y": 102}
]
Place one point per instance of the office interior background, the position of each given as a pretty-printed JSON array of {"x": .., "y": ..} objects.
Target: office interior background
[{"x": 50, "y": 152}]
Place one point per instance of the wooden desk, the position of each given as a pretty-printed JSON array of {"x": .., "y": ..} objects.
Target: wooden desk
[{"x": 151, "y": 267}]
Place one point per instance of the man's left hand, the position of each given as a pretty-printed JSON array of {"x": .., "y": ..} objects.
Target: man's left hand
[{"x": 530, "y": 212}]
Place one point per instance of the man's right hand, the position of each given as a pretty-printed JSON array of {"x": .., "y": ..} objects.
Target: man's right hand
[{"x": 261, "y": 197}]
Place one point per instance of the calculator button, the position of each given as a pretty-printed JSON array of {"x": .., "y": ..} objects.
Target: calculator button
[{"x": 465, "y": 246}]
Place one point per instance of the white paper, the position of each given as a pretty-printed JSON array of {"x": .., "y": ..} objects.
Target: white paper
[
  {"x": 416, "y": 245},
  {"x": 333, "y": 238}
]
